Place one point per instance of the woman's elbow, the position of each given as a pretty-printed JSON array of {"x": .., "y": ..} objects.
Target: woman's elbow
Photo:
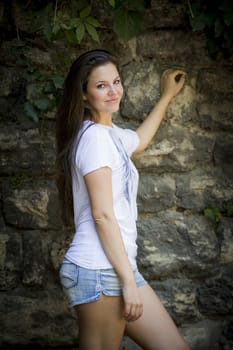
[
  {"x": 140, "y": 149},
  {"x": 102, "y": 216}
]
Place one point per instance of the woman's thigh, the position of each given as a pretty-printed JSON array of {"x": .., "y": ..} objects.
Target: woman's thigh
[
  {"x": 155, "y": 330},
  {"x": 101, "y": 323}
]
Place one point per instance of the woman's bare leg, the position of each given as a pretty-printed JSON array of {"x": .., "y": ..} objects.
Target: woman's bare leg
[
  {"x": 155, "y": 330},
  {"x": 101, "y": 324}
]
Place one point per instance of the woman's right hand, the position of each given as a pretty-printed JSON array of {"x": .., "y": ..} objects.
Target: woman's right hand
[
  {"x": 133, "y": 307},
  {"x": 99, "y": 186},
  {"x": 172, "y": 82}
]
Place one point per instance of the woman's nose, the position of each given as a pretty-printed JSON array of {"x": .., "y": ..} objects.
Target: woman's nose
[{"x": 112, "y": 90}]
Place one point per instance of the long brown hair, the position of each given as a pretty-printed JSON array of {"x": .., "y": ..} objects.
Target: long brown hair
[{"x": 70, "y": 116}]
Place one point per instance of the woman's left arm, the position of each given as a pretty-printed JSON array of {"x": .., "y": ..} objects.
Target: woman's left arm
[{"x": 171, "y": 84}]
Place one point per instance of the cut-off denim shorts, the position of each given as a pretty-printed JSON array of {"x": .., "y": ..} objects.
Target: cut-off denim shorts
[{"x": 83, "y": 285}]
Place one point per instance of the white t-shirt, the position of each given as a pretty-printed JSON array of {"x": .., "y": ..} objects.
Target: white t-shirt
[{"x": 101, "y": 146}]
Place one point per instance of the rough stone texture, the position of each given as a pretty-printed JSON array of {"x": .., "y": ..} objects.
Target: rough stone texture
[
  {"x": 177, "y": 149},
  {"x": 203, "y": 335},
  {"x": 212, "y": 298},
  {"x": 162, "y": 13},
  {"x": 176, "y": 48},
  {"x": 225, "y": 233},
  {"x": 31, "y": 204},
  {"x": 172, "y": 243},
  {"x": 11, "y": 259},
  {"x": 203, "y": 188},
  {"x": 37, "y": 320},
  {"x": 187, "y": 168},
  {"x": 156, "y": 193},
  {"x": 27, "y": 151},
  {"x": 141, "y": 82}
]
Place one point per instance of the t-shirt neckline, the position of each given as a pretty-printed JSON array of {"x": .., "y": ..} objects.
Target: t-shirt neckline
[{"x": 99, "y": 124}]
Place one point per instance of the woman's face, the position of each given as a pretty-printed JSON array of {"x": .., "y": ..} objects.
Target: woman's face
[{"x": 104, "y": 89}]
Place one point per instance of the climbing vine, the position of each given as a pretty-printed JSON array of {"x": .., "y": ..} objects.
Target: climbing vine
[
  {"x": 77, "y": 20},
  {"x": 74, "y": 20},
  {"x": 215, "y": 18},
  {"x": 43, "y": 91},
  {"x": 215, "y": 214}
]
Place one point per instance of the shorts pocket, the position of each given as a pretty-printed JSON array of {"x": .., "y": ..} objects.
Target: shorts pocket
[{"x": 69, "y": 273}]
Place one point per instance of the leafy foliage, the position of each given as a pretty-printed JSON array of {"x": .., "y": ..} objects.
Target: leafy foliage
[
  {"x": 128, "y": 18},
  {"x": 43, "y": 91},
  {"x": 215, "y": 18},
  {"x": 70, "y": 21},
  {"x": 74, "y": 20},
  {"x": 215, "y": 214},
  {"x": 229, "y": 208}
]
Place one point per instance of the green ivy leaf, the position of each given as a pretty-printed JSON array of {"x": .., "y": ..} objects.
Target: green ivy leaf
[
  {"x": 85, "y": 12},
  {"x": 48, "y": 87},
  {"x": 31, "y": 111},
  {"x": 65, "y": 26},
  {"x": 58, "y": 81},
  {"x": 92, "y": 31},
  {"x": 41, "y": 77},
  {"x": 42, "y": 103},
  {"x": 213, "y": 214},
  {"x": 70, "y": 36},
  {"x": 56, "y": 27},
  {"x": 80, "y": 31},
  {"x": 229, "y": 208},
  {"x": 228, "y": 19},
  {"x": 93, "y": 22},
  {"x": 34, "y": 89},
  {"x": 127, "y": 24},
  {"x": 111, "y": 3},
  {"x": 75, "y": 22}
]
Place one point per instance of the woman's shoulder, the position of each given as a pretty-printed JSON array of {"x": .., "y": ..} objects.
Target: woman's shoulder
[
  {"x": 94, "y": 133},
  {"x": 91, "y": 129},
  {"x": 95, "y": 145}
]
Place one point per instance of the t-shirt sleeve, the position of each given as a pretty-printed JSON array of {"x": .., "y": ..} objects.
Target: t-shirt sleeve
[
  {"x": 129, "y": 139},
  {"x": 95, "y": 150}
]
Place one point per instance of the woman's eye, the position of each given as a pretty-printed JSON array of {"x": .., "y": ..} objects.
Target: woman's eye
[
  {"x": 118, "y": 81},
  {"x": 100, "y": 86}
]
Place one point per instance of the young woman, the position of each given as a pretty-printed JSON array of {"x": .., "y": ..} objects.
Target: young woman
[{"x": 98, "y": 186}]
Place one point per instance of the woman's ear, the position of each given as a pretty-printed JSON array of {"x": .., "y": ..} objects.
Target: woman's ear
[{"x": 84, "y": 98}]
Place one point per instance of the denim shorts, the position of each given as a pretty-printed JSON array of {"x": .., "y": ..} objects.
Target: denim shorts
[{"x": 83, "y": 285}]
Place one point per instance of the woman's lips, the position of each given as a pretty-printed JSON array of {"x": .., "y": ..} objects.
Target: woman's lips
[{"x": 113, "y": 100}]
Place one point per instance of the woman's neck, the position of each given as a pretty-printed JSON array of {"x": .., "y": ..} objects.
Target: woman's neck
[{"x": 105, "y": 119}]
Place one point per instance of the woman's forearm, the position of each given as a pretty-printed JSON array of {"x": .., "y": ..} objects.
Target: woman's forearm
[
  {"x": 171, "y": 84},
  {"x": 99, "y": 186},
  {"x": 111, "y": 239},
  {"x": 150, "y": 125}
]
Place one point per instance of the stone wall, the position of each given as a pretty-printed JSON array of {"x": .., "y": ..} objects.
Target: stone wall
[{"x": 188, "y": 167}]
